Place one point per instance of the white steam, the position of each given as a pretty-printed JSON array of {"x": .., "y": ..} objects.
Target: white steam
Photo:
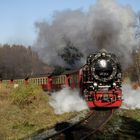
[
  {"x": 131, "y": 97},
  {"x": 105, "y": 25},
  {"x": 67, "y": 100}
]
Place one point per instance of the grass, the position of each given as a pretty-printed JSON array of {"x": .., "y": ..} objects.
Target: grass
[{"x": 25, "y": 110}]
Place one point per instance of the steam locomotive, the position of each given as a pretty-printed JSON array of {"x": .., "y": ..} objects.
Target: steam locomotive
[{"x": 101, "y": 79}]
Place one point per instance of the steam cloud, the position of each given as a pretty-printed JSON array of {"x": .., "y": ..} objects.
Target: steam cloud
[
  {"x": 131, "y": 97},
  {"x": 67, "y": 100},
  {"x": 105, "y": 25}
]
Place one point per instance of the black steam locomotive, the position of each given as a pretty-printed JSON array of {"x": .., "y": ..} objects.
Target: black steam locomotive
[{"x": 101, "y": 80}]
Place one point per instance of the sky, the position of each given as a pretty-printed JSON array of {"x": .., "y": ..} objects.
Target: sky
[{"x": 18, "y": 17}]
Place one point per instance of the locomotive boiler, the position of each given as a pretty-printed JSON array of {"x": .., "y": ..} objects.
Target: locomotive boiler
[{"x": 101, "y": 79}]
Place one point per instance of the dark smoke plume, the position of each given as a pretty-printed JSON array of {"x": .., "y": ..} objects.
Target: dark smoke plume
[{"x": 105, "y": 25}]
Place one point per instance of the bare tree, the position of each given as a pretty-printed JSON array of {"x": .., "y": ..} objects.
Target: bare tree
[
  {"x": 70, "y": 54},
  {"x": 18, "y": 61}
]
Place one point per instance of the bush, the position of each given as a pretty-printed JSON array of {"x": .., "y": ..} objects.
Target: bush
[{"x": 26, "y": 94}]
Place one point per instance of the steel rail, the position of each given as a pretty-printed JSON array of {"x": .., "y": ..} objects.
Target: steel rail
[
  {"x": 99, "y": 126},
  {"x": 86, "y": 127},
  {"x": 73, "y": 125}
]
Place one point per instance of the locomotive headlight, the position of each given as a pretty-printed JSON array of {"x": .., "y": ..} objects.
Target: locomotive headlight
[
  {"x": 103, "y": 54},
  {"x": 103, "y": 63},
  {"x": 114, "y": 84},
  {"x": 95, "y": 84}
]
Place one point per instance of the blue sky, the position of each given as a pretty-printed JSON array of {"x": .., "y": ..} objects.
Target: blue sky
[{"x": 17, "y": 17}]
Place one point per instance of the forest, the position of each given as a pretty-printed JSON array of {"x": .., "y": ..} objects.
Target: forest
[{"x": 18, "y": 61}]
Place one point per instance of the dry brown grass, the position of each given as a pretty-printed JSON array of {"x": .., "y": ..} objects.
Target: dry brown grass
[{"x": 18, "y": 121}]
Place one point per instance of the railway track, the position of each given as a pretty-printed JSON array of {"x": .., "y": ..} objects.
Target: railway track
[
  {"x": 86, "y": 128},
  {"x": 99, "y": 120}
]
